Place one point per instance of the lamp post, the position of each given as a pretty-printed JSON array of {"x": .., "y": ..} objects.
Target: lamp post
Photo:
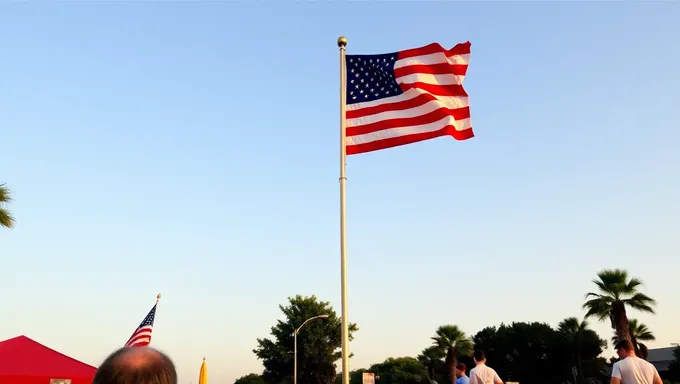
[{"x": 295, "y": 333}]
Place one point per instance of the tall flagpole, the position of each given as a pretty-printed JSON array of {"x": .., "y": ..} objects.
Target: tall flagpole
[{"x": 342, "y": 43}]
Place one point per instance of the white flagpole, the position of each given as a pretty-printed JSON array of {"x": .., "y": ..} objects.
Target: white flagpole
[{"x": 342, "y": 43}]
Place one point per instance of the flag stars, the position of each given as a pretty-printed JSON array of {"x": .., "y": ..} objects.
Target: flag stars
[{"x": 371, "y": 76}]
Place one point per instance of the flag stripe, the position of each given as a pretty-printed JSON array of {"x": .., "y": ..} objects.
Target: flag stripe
[
  {"x": 460, "y": 49},
  {"x": 407, "y": 100},
  {"x": 417, "y": 127},
  {"x": 390, "y": 142},
  {"x": 435, "y": 69},
  {"x": 424, "y": 114}
]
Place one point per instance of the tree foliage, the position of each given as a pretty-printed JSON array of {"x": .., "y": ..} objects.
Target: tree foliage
[
  {"x": 431, "y": 358},
  {"x": 536, "y": 353},
  {"x": 6, "y": 219},
  {"x": 251, "y": 378},
  {"x": 400, "y": 370},
  {"x": 674, "y": 367},
  {"x": 453, "y": 342},
  {"x": 318, "y": 343},
  {"x": 615, "y": 293}
]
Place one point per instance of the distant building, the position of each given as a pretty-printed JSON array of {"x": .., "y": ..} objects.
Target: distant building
[{"x": 661, "y": 358}]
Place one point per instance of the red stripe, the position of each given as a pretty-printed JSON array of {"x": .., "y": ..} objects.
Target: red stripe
[
  {"x": 139, "y": 340},
  {"x": 403, "y": 140},
  {"x": 409, "y": 121},
  {"x": 434, "y": 69},
  {"x": 436, "y": 89},
  {"x": 459, "y": 49},
  {"x": 140, "y": 333}
]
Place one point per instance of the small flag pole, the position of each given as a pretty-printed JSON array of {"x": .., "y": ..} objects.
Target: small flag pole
[{"x": 342, "y": 43}]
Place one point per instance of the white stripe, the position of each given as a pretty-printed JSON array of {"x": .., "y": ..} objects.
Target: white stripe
[
  {"x": 427, "y": 78},
  {"x": 408, "y": 95},
  {"x": 432, "y": 105},
  {"x": 433, "y": 58},
  {"x": 407, "y": 131}
]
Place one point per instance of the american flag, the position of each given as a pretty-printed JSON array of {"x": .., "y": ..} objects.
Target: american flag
[
  {"x": 141, "y": 337},
  {"x": 407, "y": 96}
]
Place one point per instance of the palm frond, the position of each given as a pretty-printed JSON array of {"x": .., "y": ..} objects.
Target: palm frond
[
  {"x": 599, "y": 308},
  {"x": 632, "y": 285},
  {"x": 641, "y": 302},
  {"x": 640, "y": 331},
  {"x": 6, "y": 220},
  {"x": 5, "y": 194}
]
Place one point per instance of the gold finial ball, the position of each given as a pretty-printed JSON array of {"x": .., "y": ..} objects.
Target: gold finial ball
[
  {"x": 342, "y": 41},
  {"x": 158, "y": 296}
]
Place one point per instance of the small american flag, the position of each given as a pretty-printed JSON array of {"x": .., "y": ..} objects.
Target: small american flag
[
  {"x": 141, "y": 337},
  {"x": 407, "y": 96}
]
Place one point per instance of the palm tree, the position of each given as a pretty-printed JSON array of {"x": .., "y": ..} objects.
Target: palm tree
[
  {"x": 616, "y": 293},
  {"x": 638, "y": 332},
  {"x": 573, "y": 330},
  {"x": 6, "y": 220},
  {"x": 452, "y": 340},
  {"x": 430, "y": 357}
]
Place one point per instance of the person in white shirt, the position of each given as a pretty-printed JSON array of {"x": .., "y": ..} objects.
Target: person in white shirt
[
  {"x": 632, "y": 369},
  {"x": 481, "y": 374}
]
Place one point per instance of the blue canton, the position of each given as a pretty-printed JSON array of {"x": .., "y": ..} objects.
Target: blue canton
[
  {"x": 371, "y": 77},
  {"x": 148, "y": 320}
]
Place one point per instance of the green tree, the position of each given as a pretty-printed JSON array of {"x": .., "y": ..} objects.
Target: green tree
[
  {"x": 638, "y": 332},
  {"x": 674, "y": 366},
  {"x": 251, "y": 378},
  {"x": 581, "y": 343},
  {"x": 530, "y": 353},
  {"x": 615, "y": 293},
  {"x": 454, "y": 343},
  {"x": 400, "y": 370},
  {"x": 431, "y": 359},
  {"x": 6, "y": 219},
  {"x": 318, "y": 343}
]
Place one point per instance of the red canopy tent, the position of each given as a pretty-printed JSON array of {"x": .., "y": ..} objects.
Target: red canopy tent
[{"x": 24, "y": 361}]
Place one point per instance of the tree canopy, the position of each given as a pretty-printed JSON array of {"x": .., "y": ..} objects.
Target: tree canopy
[
  {"x": 251, "y": 378},
  {"x": 400, "y": 370},
  {"x": 318, "y": 343},
  {"x": 616, "y": 292}
]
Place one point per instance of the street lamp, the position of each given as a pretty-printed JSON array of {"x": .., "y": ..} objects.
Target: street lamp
[{"x": 295, "y": 333}]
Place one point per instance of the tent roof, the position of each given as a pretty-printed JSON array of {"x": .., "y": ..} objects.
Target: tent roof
[{"x": 21, "y": 356}]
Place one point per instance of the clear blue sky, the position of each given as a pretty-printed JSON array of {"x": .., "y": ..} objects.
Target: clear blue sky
[{"x": 191, "y": 148}]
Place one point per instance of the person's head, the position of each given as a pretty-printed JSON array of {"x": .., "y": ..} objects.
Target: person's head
[
  {"x": 624, "y": 348},
  {"x": 460, "y": 369},
  {"x": 479, "y": 357},
  {"x": 139, "y": 365}
]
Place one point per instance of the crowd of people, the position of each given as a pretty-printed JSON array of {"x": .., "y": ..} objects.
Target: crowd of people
[{"x": 130, "y": 365}]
